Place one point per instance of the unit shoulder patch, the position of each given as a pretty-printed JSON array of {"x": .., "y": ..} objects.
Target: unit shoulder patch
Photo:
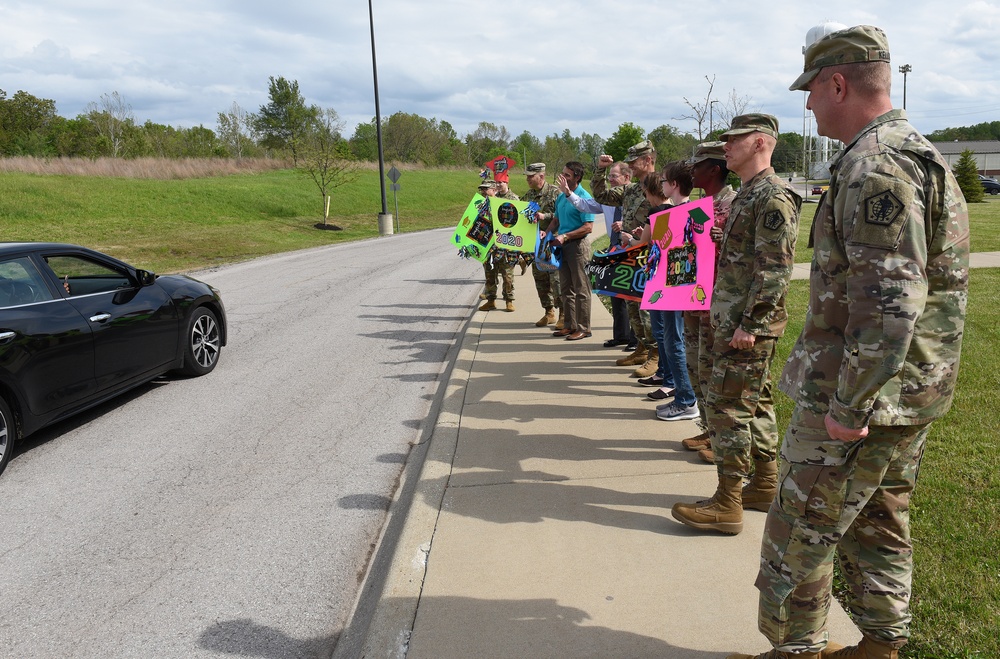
[{"x": 883, "y": 206}]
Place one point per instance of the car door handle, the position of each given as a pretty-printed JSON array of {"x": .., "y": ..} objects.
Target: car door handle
[
  {"x": 5, "y": 337},
  {"x": 100, "y": 318}
]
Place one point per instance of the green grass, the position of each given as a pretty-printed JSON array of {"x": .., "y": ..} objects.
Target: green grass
[
  {"x": 955, "y": 512},
  {"x": 181, "y": 225}
]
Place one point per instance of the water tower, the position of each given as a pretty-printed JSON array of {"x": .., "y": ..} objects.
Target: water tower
[{"x": 821, "y": 153}]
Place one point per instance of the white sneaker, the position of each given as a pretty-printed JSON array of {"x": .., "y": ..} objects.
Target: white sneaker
[{"x": 677, "y": 412}]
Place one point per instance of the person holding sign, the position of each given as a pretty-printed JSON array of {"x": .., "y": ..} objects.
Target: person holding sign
[
  {"x": 546, "y": 283},
  {"x": 569, "y": 228},
  {"x": 748, "y": 316},
  {"x": 708, "y": 172}
]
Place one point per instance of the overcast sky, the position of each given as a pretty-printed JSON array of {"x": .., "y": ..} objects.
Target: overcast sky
[{"x": 536, "y": 66}]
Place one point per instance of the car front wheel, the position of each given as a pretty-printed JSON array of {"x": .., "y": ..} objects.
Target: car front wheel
[
  {"x": 8, "y": 428},
  {"x": 203, "y": 343}
]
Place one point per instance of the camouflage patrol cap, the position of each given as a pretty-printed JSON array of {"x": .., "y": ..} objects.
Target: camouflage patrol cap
[
  {"x": 861, "y": 43},
  {"x": 752, "y": 123},
  {"x": 487, "y": 185},
  {"x": 639, "y": 150},
  {"x": 534, "y": 168},
  {"x": 708, "y": 151}
]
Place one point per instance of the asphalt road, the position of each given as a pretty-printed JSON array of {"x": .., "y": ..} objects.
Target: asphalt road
[{"x": 232, "y": 515}]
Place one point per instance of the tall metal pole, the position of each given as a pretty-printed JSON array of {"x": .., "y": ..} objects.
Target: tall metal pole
[
  {"x": 384, "y": 219},
  {"x": 906, "y": 68},
  {"x": 711, "y": 118}
]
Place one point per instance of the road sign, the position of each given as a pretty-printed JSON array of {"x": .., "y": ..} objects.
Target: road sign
[
  {"x": 395, "y": 187},
  {"x": 394, "y": 175}
]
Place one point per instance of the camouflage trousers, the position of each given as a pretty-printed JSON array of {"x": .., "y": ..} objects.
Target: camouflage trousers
[
  {"x": 848, "y": 498},
  {"x": 506, "y": 272},
  {"x": 741, "y": 421},
  {"x": 638, "y": 319},
  {"x": 547, "y": 286},
  {"x": 698, "y": 341}
]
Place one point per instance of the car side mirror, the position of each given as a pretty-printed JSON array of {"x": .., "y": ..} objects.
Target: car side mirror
[{"x": 146, "y": 278}]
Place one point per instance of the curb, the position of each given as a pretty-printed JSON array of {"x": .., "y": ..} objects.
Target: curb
[{"x": 384, "y": 612}]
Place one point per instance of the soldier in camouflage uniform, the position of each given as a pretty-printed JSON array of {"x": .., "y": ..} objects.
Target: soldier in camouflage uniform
[
  {"x": 635, "y": 212},
  {"x": 748, "y": 316},
  {"x": 546, "y": 283},
  {"x": 504, "y": 270},
  {"x": 709, "y": 172},
  {"x": 876, "y": 362}
]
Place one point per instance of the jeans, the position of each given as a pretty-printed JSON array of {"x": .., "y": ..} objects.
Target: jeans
[{"x": 673, "y": 362}]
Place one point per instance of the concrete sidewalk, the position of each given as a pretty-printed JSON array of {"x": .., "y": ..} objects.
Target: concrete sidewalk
[{"x": 539, "y": 524}]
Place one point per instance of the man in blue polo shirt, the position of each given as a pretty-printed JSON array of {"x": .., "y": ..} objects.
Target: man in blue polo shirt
[{"x": 569, "y": 228}]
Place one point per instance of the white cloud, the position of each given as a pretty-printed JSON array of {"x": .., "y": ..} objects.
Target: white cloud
[{"x": 587, "y": 66}]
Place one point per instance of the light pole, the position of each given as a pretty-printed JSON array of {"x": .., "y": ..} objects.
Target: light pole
[
  {"x": 711, "y": 117},
  {"x": 384, "y": 218},
  {"x": 906, "y": 68}
]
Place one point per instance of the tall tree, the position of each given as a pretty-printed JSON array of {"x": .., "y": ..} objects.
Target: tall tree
[
  {"x": 700, "y": 110},
  {"x": 114, "y": 121},
  {"x": 592, "y": 147},
  {"x": 628, "y": 134},
  {"x": 323, "y": 157},
  {"x": 26, "y": 122},
  {"x": 236, "y": 130},
  {"x": 487, "y": 142},
  {"x": 967, "y": 172},
  {"x": 283, "y": 121},
  {"x": 671, "y": 144}
]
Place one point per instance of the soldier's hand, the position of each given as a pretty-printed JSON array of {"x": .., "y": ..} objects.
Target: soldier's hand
[
  {"x": 742, "y": 340},
  {"x": 604, "y": 160},
  {"x": 716, "y": 234},
  {"x": 616, "y": 226},
  {"x": 842, "y": 432}
]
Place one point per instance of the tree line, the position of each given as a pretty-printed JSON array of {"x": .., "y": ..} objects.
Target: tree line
[{"x": 286, "y": 124}]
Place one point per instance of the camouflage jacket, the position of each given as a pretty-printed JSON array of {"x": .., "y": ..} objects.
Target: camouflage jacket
[
  {"x": 888, "y": 286},
  {"x": 546, "y": 200},
  {"x": 755, "y": 259},
  {"x": 635, "y": 207},
  {"x": 722, "y": 203},
  {"x": 509, "y": 195}
]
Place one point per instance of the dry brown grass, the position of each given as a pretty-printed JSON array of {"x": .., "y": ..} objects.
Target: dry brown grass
[{"x": 142, "y": 168}]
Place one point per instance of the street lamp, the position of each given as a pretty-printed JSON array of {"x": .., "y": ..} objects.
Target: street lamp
[
  {"x": 711, "y": 119},
  {"x": 384, "y": 218},
  {"x": 906, "y": 68}
]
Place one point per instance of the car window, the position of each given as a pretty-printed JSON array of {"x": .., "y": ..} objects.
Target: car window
[
  {"x": 82, "y": 276},
  {"x": 21, "y": 283}
]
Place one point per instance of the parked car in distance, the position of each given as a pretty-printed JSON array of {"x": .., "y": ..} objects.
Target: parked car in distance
[
  {"x": 986, "y": 178},
  {"x": 990, "y": 186},
  {"x": 78, "y": 327},
  {"x": 820, "y": 189}
]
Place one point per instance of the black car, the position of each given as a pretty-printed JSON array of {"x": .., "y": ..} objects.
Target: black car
[
  {"x": 78, "y": 327},
  {"x": 990, "y": 186}
]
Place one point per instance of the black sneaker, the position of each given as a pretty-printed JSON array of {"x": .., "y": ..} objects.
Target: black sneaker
[
  {"x": 660, "y": 394},
  {"x": 630, "y": 347},
  {"x": 651, "y": 381}
]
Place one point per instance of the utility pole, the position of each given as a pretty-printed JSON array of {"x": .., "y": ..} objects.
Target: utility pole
[
  {"x": 711, "y": 117},
  {"x": 384, "y": 218},
  {"x": 906, "y": 68}
]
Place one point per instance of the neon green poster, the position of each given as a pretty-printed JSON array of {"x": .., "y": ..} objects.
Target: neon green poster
[
  {"x": 515, "y": 229},
  {"x": 474, "y": 233}
]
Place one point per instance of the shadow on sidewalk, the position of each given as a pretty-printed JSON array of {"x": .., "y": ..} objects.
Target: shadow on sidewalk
[{"x": 536, "y": 628}]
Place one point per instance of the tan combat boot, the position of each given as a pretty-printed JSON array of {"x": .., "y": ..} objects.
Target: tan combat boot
[
  {"x": 650, "y": 366},
  {"x": 489, "y": 305},
  {"x": 867, "y": 649},
  {"x": 510, "y": 305},
  {"x": 697, "y": 443},
  {"x": 559, "y": 323},
  {"x": 777, "y": 654},
  {"x": 763, "y": 487},
  {"x": 707, "y": 455},
  {"x": 547, "y": 319},
  {"x": 722, "y": 513},
  {"x": 639, "y": 356}
]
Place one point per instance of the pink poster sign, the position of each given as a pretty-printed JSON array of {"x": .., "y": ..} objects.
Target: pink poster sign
[{"x": 685, "y": 268}]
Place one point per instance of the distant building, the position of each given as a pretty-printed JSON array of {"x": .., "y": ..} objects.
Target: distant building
[{"x": 987, "y": 154}]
